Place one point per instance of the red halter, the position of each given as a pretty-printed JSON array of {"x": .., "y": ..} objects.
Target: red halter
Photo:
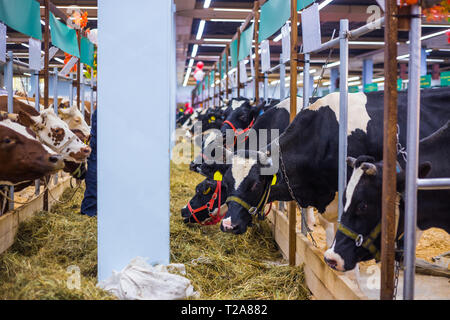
[
  {"x": 209, "y": 205},
  {"x": 238, "y": 133}
]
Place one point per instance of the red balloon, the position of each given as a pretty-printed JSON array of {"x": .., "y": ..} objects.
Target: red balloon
[{"x": 200, "y": 65}]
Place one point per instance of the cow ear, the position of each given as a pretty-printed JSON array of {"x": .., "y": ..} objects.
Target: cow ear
[
  {"x": 424, "y": 169},
  {"x": 351, "y": 162},
  {"x": 26, "y": 119}
]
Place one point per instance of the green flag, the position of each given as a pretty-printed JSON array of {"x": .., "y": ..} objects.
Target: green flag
[
  {"x": 245, "y": 43},
  {"x": 23, "y": 16},
  {"x": 234, "y": 53},
  {"x": 87, "y": 50},
  {"x": 274, "y": 14},
  {"x": 64, "y": 37}
]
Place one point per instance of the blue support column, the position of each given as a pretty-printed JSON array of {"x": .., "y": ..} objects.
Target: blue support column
[
  {"x": 133, "y": 157},
  {"x": 367, "y": 74},
  {"x": 333, "y": 77}
]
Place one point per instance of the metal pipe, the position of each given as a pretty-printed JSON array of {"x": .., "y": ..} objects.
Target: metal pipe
[
  {"x": 306, "y": 82},
  {"x": 433, "y": 184},
  {"x": 8, "y": 77},
  {"x": 55, "y": 90},
  {"x": 71, "y": 91},
  {"x": 82, "y": 89},
  {"x": 352, "y": 34},
  {"x": 412, "y": 146},
  {"x": 266, "y": 86},
  {"x": 282, "y": 81},
  {"x": 37, "y": 182},
  {"x": 343, "y": 116}
]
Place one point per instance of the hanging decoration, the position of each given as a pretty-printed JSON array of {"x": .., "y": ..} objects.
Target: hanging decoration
[
  {"x": 433, "y": 10},
  {"x": 198, "y": 72}
]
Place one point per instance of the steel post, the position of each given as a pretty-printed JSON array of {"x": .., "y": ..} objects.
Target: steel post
[
  {"x": 343, "y": 117},
  {"x": 412, "y": 146}
]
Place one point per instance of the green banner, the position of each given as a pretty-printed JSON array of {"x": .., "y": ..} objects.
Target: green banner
[
  {"x": 223, "y": 66},
  {"x": 206, "y": 82},
  {"x": 245, "y": 43},
  {"x": 234, "y": 53},
  {"x": 274, "y": 14},
  {"x": 23, "y": 16},
  {"x": 64, "y": 37},
  {"x": 445, "y": 79},
  {"x": 399, "y": 84},
  {"x": 87, "y": 51},
  {"x": 353, "y": 89},
  {"x": 213, "y": 77},
  {"x": 425, "y": 81},
  {"x": 370, "y": 87},
  {"x": 302, "y": 4}
]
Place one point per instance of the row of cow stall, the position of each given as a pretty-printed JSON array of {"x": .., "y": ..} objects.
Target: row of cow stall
[
  {"x": 34, "y": 84},
  {"x": 225, "y": 81}
]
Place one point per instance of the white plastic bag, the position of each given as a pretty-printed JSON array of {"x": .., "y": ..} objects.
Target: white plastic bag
[{"x": 141, "y": 281}]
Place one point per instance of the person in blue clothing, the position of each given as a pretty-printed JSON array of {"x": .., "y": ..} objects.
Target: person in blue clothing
[{"x": 89, "y": 203}]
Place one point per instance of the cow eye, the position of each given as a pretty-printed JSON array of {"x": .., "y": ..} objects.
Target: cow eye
[{"x": 362, "y": 207}]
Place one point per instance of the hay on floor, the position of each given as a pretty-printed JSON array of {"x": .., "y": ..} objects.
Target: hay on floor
[
  {"x": 225, "y": 266},
  {"x": 48, "y": 251}
]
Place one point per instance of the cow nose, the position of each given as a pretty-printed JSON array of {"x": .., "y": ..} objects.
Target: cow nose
[
  {"x": 331, "y": 262},
  {"x": 57, "y": 161},
  {"x": 86, "y": 150},
  {"x": 55, "y": 158}
]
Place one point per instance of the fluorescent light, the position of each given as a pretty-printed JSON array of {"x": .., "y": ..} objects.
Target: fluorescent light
[
  {"x": 194, "y": 51},
  {"x": 326, "y": 83},
  {"x": 59, "y": 60},
  {"x": 213, "y": 45},
  {"x": 435, "y": 25},
  {"x": 333, "y": 64},
  {"x": 378, "y": 79},
  {"x": 201, "y": 27},
  {"x": 206, "y": 4},
  {"x": 278, "y": 37},
  {"x": 43, "y": 22},
  {"x": 435, "y": 60},
  {"x": 186, "y": 77},
  {"x": 25, "y": 45},
  {"x": 324, "y": 4},
  {"x": 191, "y": 63},
  {"x": 432, "y": 35},
  {"x": 233, "y": 10},
  {"x": 445, "y": 50},
  {"x": 217, "y": 40},
  {"x": 354, "y": 83},
  {"x": 367, "y": 43},
  {"x": 27, "y": 74},
  {"x": 227, "y": 20},
  {"x": 353, "y": 78}
]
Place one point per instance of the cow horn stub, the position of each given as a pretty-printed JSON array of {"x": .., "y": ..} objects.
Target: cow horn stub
[{"x": 369, "y": 169}]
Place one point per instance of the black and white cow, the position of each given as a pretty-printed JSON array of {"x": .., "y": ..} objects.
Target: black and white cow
[
  {"x": 274, "y": 118},
  {"x": 202, "y": 207},
  {"x": 362, "y": 203},
  {"x": 309, "y": 149},
  {"x": 267, "y": 116}
]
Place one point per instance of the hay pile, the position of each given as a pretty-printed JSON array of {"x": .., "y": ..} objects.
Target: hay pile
[
  {"x": 225, "y": 266},
  {"x": 36, "y": 266}
]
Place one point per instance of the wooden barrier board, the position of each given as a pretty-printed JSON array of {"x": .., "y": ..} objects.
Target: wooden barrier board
[{"x": 9, "y": 222}]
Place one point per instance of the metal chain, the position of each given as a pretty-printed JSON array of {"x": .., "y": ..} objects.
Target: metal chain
[
  {"x": 291, "y": 192},
  {"x": 396, "y": 274},
  {"x": 400, "y": 149},
  {"x": 323, "y": 67}
]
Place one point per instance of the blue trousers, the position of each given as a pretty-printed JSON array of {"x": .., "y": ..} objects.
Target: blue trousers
[{"x": 89, "y": 203}]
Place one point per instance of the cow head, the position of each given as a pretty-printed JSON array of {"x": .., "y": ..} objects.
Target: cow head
[
  {"x": 74, "y": 118},
  {"x": 241, "y": 115},
  {"x": 358, "y": 236},
  {"x": 55, "y": 133},
  {"x": 245, "y": 181},
  {"x": 22, "y": 156},
  {"x": 203, "y": 195}
]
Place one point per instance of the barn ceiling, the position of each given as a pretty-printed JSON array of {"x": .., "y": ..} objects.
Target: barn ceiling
[{"x": 221, "y": 23}]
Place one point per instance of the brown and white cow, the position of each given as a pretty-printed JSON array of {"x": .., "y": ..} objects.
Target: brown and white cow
[
  {"x": 55, "y": 133},
  {"x": 22, "y": 156},
  {"x": 74, "y": 118}
]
